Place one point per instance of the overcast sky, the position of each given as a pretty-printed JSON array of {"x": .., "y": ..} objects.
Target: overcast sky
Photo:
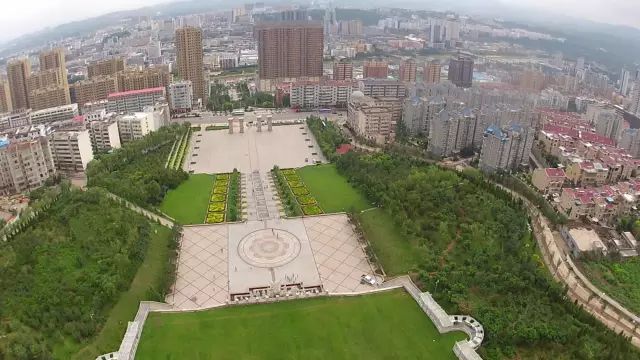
[{"x": 24, "y": 16}]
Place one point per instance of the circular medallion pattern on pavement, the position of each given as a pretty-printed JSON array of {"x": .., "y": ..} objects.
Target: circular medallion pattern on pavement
[{"x": 269, "y": 248}]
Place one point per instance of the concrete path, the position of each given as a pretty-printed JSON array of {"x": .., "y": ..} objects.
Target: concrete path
[{"x": 148, "y": 214}]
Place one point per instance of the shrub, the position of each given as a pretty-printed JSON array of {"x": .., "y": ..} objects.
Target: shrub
[
  {"x": 216, "y": 206},
  {"x": 311, "y": 210},
  {"x": 292, "y": 177},
  {"x": 222, "y": 177},
  {"x": 217, "y": 197},
  {"x": 215, "y": 218},
  {"x": 296, "y": 184},
  {"x": 300, "y": 191},
  {"x": 286, "y": 172},
  {"x": 220, "y": 190},
  {"x": 306, "y": 200}
]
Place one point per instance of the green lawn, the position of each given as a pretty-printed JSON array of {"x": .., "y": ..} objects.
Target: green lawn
[
  {"x": 396, "y": 253},
  {"x": 333, "y": 192},
  {"x": 149, "y": 275},
  {"x": 386, "y": 325},
  {"x": 620, "y": 280},
  {"x": 187, "y": 204}
]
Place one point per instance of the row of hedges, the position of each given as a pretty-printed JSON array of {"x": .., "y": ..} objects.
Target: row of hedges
[
  {"x": 234, "y": 201},
  {"x": 179, "y": 151},
  {"x": 295, "y": 194}
]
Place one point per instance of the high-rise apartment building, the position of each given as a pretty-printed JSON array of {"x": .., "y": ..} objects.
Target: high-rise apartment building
[
  {"x": 432, "y": 72},
  {"x": 505, "y": 148},
  {"x": 181, "y": 96},
  {"x": 190, "y": 60},
  {"x": 342, "y": 70},
  {"x": 5, "y": 97},
  {"x": 52, "y": 96},
  {"x": 105, "y": 67},
  {"x": 461, "y": 71},
  {"x": 129, "y": 80},
  {"x": 532, "y": 80},
  {"x": 635, "y": 99},
  {"x": 321, "y": 94},
  {"x": 25, "y": 164},
  {"x": 451, "y": 131},
  {"x": 18, "y": 71},
  {"x": 289, "y": 51},
  {"x": 94, "y": 89},
  {"x": 136, "y": 125},
  {"x": 375, "y": 69},
  {"x": 71, "y": 149},
  {"x": 350, "y": 27},
  {"x": 53, "y": 60},
  {"x": 408, "y": 69}
]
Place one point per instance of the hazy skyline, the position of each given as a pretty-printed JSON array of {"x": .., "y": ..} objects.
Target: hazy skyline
[{"x": 27, "y": 16}]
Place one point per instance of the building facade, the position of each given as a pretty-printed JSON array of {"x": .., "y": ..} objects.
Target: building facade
[
  {"x": 342, "y": 70},
  {"x": 189, "y": 58},
  {"x": 105, "y": 67},
  {"x": 5, "y": 97},
  {"x": 321, "y": 94},
  {"x": 383, "y": 88},
  {"x": 58, "y": 113},
  {"x": 431, "y": 74},
  {"x": 375, "y": 69},
  {"x": 461, "y": 71},
  {"x": 71, "y": 150},
  {"x": 18, "y": 71},
  {"x": 505, "y": 148},
  {"x": 373, "y": 119},
  {"x": 181, "y": 96},
  {"x": 135, "y": 100},
  {"x": 135, "y": 79},
  {"x": 289, "y": 50},
  {"x": 25, "y": 164},
  {"x": 94, "y": 89},
  {"x": 408, "y": 70}
]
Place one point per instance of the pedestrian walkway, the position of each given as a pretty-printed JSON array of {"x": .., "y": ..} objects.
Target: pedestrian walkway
[{"x": 261, "y": 203}]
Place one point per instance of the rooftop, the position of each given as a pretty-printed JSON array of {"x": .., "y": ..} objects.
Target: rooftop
[{"x": 136, "y": 92}]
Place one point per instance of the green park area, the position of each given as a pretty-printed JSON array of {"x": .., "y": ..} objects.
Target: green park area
[
  {"x": 333, "y": 192},
  {"x": 618, "y": 279},
  {"x": 387, "y": 325},
  {"x": 188, "y": 203}
]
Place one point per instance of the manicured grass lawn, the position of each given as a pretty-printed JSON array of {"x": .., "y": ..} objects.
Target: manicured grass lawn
[
  {"x": 387, "y": 325},
  {"x": 187, "y": 204},
  {"x": 396, "y": 253},
  {"x": 149, "y": 275},
  {"x": 620, "y": 280},
  {"x": 333, "y": 192}
]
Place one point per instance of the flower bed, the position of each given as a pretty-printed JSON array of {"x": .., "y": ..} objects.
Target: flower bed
[
  {"x": 217, "y": 206},
  {"x": 217, "y": 197},
  {"x": 215, "y": 218},
  {"x": 295, "y": 184},
  {"x": 220, "y": 190},
  {"x": 293, "y": 177},
  {"x": 222, "y": 177},
  {"x": 286, "y": 172},
  {"x": 311, "y": 210},
  {"x": 300, "y": 191},
  {"x": 306, "y": 200}
]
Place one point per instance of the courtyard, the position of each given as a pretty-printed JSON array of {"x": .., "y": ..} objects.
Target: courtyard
[
  {"x": 218, "y": 263},
  {"x": 387, "y": 325},
  {"x": 218, "y": 151}
]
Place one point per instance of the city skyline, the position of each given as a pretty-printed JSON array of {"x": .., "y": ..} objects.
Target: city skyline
[{"x": 36, "y": 15}]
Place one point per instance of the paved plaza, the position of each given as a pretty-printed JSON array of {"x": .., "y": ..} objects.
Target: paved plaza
[
  {"x": 218, "y": 261},
  {"x": 217, "y": 151}
]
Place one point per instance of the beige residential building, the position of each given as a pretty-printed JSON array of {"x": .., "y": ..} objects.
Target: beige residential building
[
  {"x": 25, "y": 164},
  {"x": 18, "y": 71},
  {"x": 45, "y": 78},
  {"x": 105, "y": 67},
  {"x": 49, "y": 97},
  {"x": 135, "y": 100},
  {"x": 135, "y": 126},
  {"x": 189, "y": 58},
  {"x": 587, "y": 173},
  {"x": 432, "y": 72},
  {"x": 104, "y": 134},
  {"x": 14, "y": 119},
  {"x": 71, "y": 149},
  {"x": 408, "y": 69},
  {"x": 374, "y": 119},
  {"x": 549, "y": 180},
  {"x": 5, "y": 97},
  {"x": 53, "y": 114},
  {"x": 134, "y": 79},
  {"x": 53, "y": 60},
  {"x": 94, "y": 89}
]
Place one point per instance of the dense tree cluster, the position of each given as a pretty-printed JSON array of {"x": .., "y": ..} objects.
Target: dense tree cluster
[
  {"x": 137, "y": 171},
  {"x": 478, "y": 258},
  {"x": 59, "y": 277},
  {"x": 328, "y": 135}
]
